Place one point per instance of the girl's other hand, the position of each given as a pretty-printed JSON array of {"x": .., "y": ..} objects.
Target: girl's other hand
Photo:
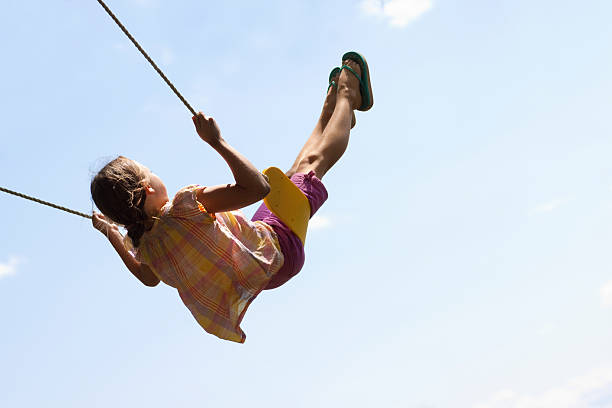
[
  {"x": 207, "y": 129},
  {"x": 100, "y": 223}
]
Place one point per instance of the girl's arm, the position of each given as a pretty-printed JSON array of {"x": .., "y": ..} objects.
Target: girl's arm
[
  {"x": 250, "y": 187},
  {"x": 138, "y": 269}
]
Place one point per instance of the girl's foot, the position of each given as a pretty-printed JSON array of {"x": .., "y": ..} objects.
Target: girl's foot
[
  {"x": 330, "y": 100},
  {"x": 363, "y": 76},
  {"x": 348, "y": 84}
]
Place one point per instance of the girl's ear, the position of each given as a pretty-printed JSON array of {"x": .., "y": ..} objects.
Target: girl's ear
[{"x": 149, "y": 190}]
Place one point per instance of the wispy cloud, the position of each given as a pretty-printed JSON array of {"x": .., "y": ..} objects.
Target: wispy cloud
[
  {"x": 591, "y": 390},
  {"x": 319, "y": 222},
  {"x": 547, "y": 207},
  {"x": 606, "y": 294},
  {"x": 399, "y": 13},
  {"x": 9, "y": 268}
]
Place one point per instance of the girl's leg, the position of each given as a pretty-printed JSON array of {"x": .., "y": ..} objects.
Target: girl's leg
[
  {"x": 322, "y": 151},
  {"x": 317, "y": 133}
]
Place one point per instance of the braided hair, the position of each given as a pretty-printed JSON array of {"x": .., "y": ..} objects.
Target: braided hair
[{"x": 118, "y": 190}]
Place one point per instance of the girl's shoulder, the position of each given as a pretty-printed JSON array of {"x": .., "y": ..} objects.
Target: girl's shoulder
[
  {"x": 191, "y": 188},
  {"x": 185, "y": 203},
  {"x": 187, "y": 193}
]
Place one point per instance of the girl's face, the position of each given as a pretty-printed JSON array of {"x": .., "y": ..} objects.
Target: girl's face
[{"x": 157, "y": 196}]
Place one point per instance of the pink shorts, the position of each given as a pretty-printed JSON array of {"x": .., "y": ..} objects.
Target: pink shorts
[{"x": 291, "y": 245}]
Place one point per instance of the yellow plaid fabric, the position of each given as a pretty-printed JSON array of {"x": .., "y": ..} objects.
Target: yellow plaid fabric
[{"x": 218, "y": 262}]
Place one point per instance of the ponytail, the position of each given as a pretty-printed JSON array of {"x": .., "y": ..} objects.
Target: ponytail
[{"x": 118, "y": 190}]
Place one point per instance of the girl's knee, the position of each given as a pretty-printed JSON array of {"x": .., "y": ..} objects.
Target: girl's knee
[
  {"x": 314, "y": 161},
  {"x": 312, "y": 158}
]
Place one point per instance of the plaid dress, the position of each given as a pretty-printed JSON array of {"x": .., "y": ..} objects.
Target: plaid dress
[{"x": 218, "y": 262}]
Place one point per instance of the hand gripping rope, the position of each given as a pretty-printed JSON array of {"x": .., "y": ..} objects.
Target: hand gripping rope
[
  {"x": 153, "y": 64},
  {"x": 285, "y": 200},
  {"x": 36, "y": 200},
  {"x": 159, "y": 71}
]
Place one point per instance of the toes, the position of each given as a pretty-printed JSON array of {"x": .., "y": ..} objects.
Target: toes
[
  {"x": 354, "y": 65},
  {"x": 349, "y": 75}
]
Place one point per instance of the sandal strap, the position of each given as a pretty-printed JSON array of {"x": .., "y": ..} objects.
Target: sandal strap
[
  {"x": 335, "y": 71},
  {"x": 361, "y": 84}
]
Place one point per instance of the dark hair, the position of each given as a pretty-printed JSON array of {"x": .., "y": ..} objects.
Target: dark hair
[{"x": 118, "y": 190}]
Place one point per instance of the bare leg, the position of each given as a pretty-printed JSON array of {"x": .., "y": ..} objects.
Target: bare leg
[
  {"x": 323, "y": 150},
  {"x": 317, "y": 133}
]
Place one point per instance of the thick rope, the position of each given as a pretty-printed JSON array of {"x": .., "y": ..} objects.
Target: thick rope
[
  {"x": 36, "y": 200},
  {"x": 159, "y": 71}
]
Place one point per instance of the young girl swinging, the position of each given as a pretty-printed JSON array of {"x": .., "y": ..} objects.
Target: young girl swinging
[{"x": 199, "y": 242}]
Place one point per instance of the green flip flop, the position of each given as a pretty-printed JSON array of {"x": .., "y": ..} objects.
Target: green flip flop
[
  {"x": 332, "y": 74},
  {"x": 365, "y": 86}
]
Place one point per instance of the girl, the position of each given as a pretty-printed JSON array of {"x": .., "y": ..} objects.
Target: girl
[{"x": 199, "y": 242}]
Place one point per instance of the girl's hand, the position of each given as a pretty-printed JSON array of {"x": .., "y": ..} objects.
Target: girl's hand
[
  {"x": 207, "y": 129},
  {"x": 100, "y": 223}
]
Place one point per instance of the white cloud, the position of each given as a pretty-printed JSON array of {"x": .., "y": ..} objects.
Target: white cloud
[
  {"x": 606, "y": 294},
  {"x": 399, "y": 12},
  {"x": 319, "y": 222},
  {"x": 546, "y": 207},
  {"x": 588, "y": 391},
  {"x": 9, "y": 268}
]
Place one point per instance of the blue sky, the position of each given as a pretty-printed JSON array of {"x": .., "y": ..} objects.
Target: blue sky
[{"x": 462, "y": 259}]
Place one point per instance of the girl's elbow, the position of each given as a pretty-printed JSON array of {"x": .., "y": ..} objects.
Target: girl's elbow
[
  {"x": 151, "y": 283},
  {"x": 261, "y": 189},
  {"x": 146, "y": 276},
  {"x": 265, "y": 189}
]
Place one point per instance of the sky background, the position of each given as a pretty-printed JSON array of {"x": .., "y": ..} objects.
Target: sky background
[{"x": 462, "y": 260}]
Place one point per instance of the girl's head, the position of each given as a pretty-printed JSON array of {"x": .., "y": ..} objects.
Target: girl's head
[{"x": 129, "y": 194}]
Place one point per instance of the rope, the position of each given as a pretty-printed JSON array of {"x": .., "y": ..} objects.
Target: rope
[
  {"x": 36, "y": 200},
  {"x": 159, "y": 71}
]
